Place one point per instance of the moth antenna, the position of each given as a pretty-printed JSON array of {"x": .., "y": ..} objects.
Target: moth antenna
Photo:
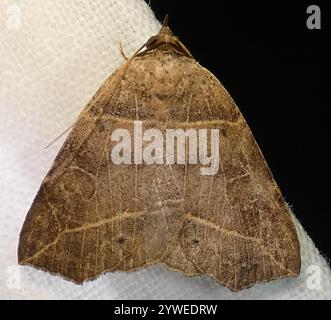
[
  {"x": 122, "y": 52},
  {"x": 164, "y": 25},
  {"x": 142, "y": 47},
  {"x": 57, "y": 138}
]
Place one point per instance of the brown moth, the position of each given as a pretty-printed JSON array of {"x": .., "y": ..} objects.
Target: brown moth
[{"x": 92, "y": 216}]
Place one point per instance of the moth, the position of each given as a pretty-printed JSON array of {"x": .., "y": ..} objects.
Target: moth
[{"x": 92, "y": 216}]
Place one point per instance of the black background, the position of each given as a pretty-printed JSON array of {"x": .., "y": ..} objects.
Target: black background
[{"x": 275, "y": 69}]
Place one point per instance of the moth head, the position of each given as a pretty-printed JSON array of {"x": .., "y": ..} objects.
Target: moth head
[{"x": 165, "y": 39}]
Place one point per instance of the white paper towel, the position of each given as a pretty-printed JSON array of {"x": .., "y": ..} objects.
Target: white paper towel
[{"x": 53, "y": 57}]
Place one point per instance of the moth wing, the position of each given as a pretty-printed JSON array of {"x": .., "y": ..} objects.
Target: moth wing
[
  {"x": 54, "y": 228},
  {"x": 237, "y": 228},
  {"x": 91, "y": 216}
]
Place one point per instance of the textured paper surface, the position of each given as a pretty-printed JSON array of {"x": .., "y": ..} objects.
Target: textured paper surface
[{"x": 52, "y": 60}]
